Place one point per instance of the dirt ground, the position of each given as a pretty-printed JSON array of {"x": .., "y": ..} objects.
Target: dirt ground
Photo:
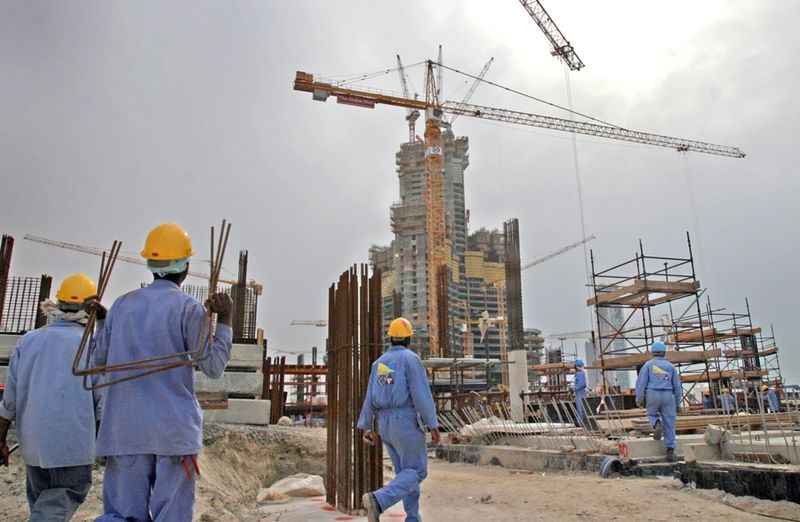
[{"x": 238, "y": 461}]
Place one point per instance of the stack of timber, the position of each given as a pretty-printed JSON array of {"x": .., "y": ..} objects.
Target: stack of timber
[
  {"x": 698, "y": 423},
  {"x": 234, "y": 398}
]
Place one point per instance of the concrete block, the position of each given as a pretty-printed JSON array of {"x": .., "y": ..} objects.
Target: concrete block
[
  {"x": 241, "y": 411},
  {"x": 246, "y": 356},
  {"x": 7, "y": 343},
  {"x": 231, "y": 382},
  {"x": 644, "y": 448}
]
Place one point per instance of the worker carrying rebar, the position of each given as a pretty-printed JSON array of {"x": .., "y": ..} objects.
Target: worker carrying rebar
[
  {"x": 580, "y": 393},
  {"x": 151, "y": 430},
  {"x": 399, "y": 397},
  {"x": 658, "y": 388},
  {"x": 54, "y": 413}
]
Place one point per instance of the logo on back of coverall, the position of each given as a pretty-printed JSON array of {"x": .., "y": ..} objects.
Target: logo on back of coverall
[
  {"x": 659, "y": 373},
  {"x": 385, "y": 375}
]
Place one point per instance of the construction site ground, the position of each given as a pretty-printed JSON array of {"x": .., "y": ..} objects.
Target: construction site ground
[{"x": 238, "y": 461}]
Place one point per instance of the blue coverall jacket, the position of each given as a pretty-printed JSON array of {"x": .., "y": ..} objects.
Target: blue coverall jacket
[
  {"x": 399, "y": 397},
  {"x": 660, "y": 384}
]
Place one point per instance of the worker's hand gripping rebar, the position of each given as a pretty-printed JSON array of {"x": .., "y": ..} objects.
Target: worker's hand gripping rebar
[{"x": 149, "y": 365}]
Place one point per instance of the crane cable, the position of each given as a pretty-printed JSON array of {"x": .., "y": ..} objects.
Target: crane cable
[
  {"x": 581, "y": 210},
  {"x": 366, "y": 76},
  {"x": 530, "y": 96},
  {"x": 700, "y": 257}
]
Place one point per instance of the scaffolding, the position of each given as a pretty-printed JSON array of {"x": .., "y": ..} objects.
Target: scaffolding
[
  {"x": 770, "y": 362},
  {"x": 659, "y": 298}
]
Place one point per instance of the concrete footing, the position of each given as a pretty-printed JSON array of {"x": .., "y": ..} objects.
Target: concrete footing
[
  {"x": 520, "y": 458},
  {"x": 762, "y": 481}
]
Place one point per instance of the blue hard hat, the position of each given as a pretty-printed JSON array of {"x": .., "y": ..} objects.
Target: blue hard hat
[
  {"x": 579, "y": 362},
  {"x": 658, "y": 347}
]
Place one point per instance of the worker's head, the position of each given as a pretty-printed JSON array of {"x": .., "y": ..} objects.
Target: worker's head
[
  {"x": 764, "y": 387},
  {"x": 658, "y": 349},
  {"x": 400, "y": 331},
  {"x": 75, "y": 289},
  {"x": 167, "y": 249},
  {"x": 707, "y": 392},
  {"x": 579, "y": 364}
]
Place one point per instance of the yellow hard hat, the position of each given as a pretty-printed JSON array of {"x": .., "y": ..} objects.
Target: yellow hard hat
[
  {"x": 167, "y": 242},
  {"x": 400, "y": 328},
  {"x": 764, "y": 387},
  {"x": 76, "y": 288}
]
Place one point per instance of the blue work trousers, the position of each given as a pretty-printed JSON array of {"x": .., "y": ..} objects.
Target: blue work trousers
[
  {"x": 56, "y": 493},
  {"x": 406, "y": 444},
  {"x": 661, "y": 407},
  {"x": 145, "y": 488},
  {"x": 580, "y": 411}
]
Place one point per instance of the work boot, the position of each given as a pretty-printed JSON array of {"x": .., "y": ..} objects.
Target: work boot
[
  {"x": 371, "y": 505},
  {"x": 658, "y": 430},
  {"x": 670, "y": 454}
]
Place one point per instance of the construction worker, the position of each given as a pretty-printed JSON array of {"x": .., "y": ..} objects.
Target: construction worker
[
  {"x": 151, "y": 430},
  {"x": 54, "y": 414},
  {"x": 580, "y": 393},
  {"x": 770, "y": 399},
  {"x": 728, "y": 402},
  {"x": 659, "y": 389},
  {"x": 399, "y": 396},
  {"x": 708, "y": 401}
]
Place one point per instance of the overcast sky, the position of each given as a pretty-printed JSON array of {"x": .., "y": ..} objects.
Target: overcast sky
[{"x": 117, "y": 116}]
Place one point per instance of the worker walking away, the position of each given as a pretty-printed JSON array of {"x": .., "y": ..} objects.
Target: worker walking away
[
  {"x": 54, "y": 414},
  {"x": 151, "y": 430},
  {"x": 399, "y": 397},
  {"x": 580, "y": 393},
  {"x": 659, "y": 389}
]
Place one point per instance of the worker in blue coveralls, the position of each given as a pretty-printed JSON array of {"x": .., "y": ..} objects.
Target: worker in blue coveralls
[
  {"x": 54, "y": 414},
  {"x": 708, "y": 401},
  {"x": 728, "y": 402},
  {"x": 770, "y": 399},
  {"x": 151, "y": 429},
  {"x": 658, "y": 388},
  {"x": 580, "y": 393},
  {"x": 399, "y": 397}
]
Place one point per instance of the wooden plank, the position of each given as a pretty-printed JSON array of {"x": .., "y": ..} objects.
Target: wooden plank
[
  {"x": 639, "y": 290},
  {"x": 638, "y": 359}
]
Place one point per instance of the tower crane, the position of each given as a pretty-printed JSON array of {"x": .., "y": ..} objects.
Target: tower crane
[
  {"x": 257, "y": 287},
  {"x": 412, "y": 115},
  {"x": 561, "y": 46},
  {"x": 437, "y": 245}
]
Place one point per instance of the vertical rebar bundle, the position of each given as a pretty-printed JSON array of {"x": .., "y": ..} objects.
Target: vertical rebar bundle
[{"x": 355, "y": 341}]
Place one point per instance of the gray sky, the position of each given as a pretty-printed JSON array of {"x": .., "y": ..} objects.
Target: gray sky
[{"x": 120, "y": 115}]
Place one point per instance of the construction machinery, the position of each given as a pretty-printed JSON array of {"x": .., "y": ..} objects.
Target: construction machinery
[
  {"x": 257, "y": 287},
  {"x": 561, "y": 46},
  {"x": 438, "y": 254}
]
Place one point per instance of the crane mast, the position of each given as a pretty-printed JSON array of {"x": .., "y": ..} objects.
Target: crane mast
[{"x": 561, "y": 46}]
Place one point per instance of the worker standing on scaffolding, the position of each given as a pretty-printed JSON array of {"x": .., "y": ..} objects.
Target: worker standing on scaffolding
[
  {"x": 152, "y": 428},
  {"x": 54, "y": 414},
  {"x": 580, "y": 393},
  {"x": 399, "y": 396},
  {"x": 658, "y": 388}
]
